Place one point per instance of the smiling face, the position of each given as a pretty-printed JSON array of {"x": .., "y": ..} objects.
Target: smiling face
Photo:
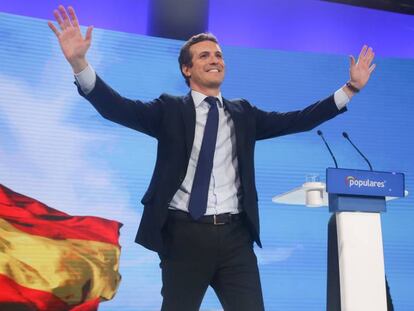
[{"x": 206, "y": 72}]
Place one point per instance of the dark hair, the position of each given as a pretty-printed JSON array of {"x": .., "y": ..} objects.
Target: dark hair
[{"x": 185, "y": 58}]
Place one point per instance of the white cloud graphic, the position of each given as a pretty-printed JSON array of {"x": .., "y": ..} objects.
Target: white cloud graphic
[
  {"x": 47, "y": 157},
  {"x": 271, "y": 255}
]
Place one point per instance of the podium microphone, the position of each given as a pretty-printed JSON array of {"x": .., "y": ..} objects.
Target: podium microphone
[
  {"x": 319, "y": 132},
  {"x": 345, "y": 134}
]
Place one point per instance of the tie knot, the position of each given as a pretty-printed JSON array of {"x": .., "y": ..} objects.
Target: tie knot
[{"x": 211, "y": 100}]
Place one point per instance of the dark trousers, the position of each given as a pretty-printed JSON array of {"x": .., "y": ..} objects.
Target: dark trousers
[{"x": 201, "y": 255}]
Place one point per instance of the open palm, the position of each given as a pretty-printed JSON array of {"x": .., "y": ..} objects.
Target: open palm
[
  {"x": 74, "y": 46},
  {"x": 360, "y": 71}
]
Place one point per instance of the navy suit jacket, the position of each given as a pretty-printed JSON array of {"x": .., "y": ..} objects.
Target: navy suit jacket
[{"x": 171, "y": 120}]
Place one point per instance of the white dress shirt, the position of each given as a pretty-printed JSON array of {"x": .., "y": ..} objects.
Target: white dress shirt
[{"x": 224, "y": 191}]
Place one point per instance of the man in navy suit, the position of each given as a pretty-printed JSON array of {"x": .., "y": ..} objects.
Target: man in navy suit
[{"x": 200, "y": 209}]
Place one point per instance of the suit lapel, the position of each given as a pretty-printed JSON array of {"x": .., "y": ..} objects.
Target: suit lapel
[
  {"x": 237, "y": 116},
  {"x": 189, "y": 117}
]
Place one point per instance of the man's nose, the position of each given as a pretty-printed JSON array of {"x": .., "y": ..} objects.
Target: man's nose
[{"x": 214, "y": 59}]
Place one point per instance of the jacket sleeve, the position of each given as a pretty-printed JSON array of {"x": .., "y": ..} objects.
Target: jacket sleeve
[
  {"x": 144, "y": 117},
  {"x": 273, "y": 124}
]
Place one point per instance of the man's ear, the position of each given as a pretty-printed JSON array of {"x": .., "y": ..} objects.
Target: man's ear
[{"x": 186, "y": 71}]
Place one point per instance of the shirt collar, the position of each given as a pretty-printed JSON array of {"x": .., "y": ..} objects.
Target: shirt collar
[{"x": 198, "y": 98}]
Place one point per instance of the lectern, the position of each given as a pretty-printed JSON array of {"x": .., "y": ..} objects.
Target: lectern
[{"x": 357, "y": 197}]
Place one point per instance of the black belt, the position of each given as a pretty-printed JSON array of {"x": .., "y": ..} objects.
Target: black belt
[{"x": 220, "y": 219}]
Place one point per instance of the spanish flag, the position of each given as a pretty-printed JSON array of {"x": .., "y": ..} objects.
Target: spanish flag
[{"x": 51, "y": 261}]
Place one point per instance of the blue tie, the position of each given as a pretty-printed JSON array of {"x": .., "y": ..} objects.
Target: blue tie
[{"x": 199, "y": 192}]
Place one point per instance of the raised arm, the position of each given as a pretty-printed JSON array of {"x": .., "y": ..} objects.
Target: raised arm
[
  {"x": 272, "y": 124},
  {"x": 141, "y": 116},
  {"x": 74, "y": 46}
]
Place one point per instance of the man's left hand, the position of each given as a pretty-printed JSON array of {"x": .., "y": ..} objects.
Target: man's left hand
[{"x": 361, "y": 70}]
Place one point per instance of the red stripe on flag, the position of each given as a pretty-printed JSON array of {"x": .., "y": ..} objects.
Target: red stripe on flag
[
  {"x": 34, "y": 217},
  {"x": 16, "y": 297},
  {"x": 91, "y": 305}
]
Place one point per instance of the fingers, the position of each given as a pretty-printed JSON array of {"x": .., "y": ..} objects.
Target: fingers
[
  {"x": 73, "y": 17},
  {"x": 371, "y": 69},
  {"x": 363, "y": 52},
  {"x": 66, "y": 21},
  {"x": 88, "y": 36},
  {"x": 351, "y": 60},
  {"x": 54, "y": 29},
  {"x": 58, "y": 18},
  {"x": 366, "y": 55},
  {"x": 63, "y": 19},
  {"x": 370, "y": 56}
]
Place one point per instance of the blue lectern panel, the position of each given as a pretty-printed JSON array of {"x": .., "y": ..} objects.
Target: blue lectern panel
[
  {"x": 364, "y": 183},
  {"x": 352, "y": 203}
]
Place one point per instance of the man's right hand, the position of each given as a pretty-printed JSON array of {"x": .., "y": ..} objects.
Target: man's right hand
[{"x": 71, "y": 41}]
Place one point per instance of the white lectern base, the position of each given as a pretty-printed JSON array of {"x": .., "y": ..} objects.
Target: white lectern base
[{"x": 361, "y": 261}]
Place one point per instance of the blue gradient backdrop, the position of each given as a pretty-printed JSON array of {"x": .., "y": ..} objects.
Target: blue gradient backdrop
[{"x": 55, "y": 147}]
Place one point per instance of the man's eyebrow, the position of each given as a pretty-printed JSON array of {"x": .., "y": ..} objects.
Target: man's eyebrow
[{"x": 208, "y": 52}]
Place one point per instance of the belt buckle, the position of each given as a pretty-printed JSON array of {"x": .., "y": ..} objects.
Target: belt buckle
[{"x": 215, "y": 221}]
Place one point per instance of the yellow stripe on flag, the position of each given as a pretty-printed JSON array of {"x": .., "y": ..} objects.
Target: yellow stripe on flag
[{"x": 73, "y": 270}]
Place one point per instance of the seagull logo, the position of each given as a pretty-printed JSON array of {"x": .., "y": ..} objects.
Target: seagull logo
[{"x": 348, "y": 180}]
